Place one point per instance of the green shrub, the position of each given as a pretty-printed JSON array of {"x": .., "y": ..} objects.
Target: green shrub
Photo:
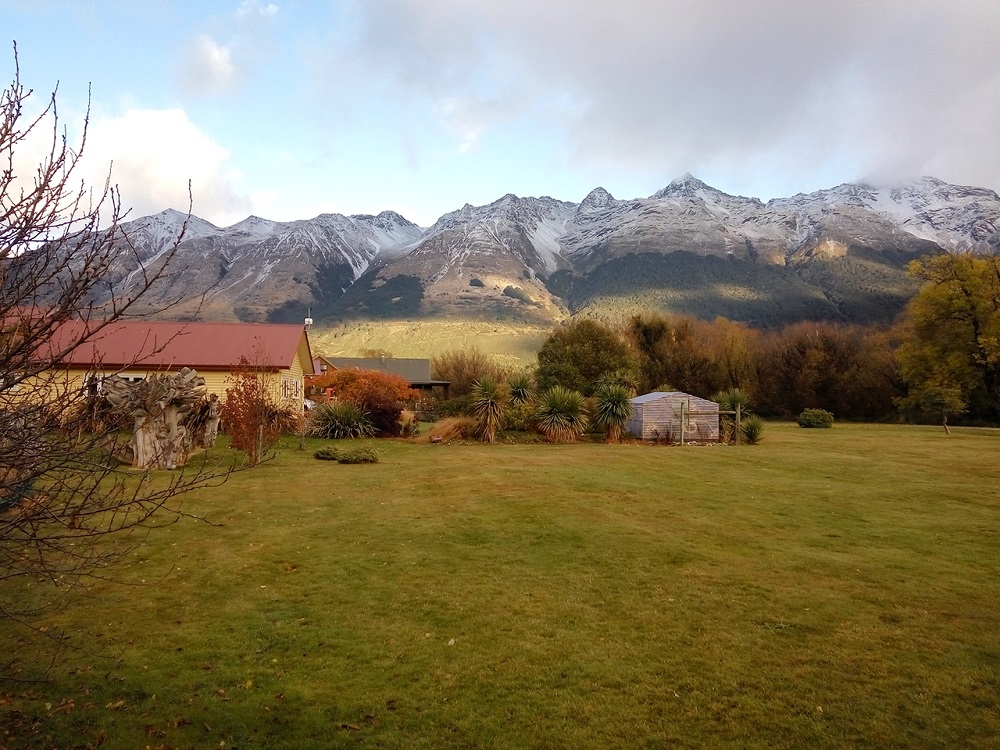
[
  {"x": 358, "y": 456},
  {"x": 460, "y": 406},
  {"x": 517, "y": 293},
  {"x": 340, "y": 420},
  {"x": 752, "y": 429},
  {"x": 347, "y": 456},
  {"x": 815, "y": 418},
  {"x": 519, "y": 417},
  {"x": 476, "y": 282}
]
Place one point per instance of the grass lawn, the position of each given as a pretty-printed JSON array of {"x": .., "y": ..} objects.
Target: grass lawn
[
  {"x": 824, "y": 589},
  {"x": 509, "y": 342}
]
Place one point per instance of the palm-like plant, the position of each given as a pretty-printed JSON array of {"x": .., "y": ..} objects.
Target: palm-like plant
[
  {"x": 729, "y": 400},
  {"x": 520, "y": 388},
  {"x": 561, "y": 415},
  {"x": 613, "y": 410},
  {"x": 735, "y": 399},
  {"x": 625, "y": 378},
  {"x": 488, "y": 401}
]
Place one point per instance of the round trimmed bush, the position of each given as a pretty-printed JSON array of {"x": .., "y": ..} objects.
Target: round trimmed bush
[{"x": 815, "y": 418}]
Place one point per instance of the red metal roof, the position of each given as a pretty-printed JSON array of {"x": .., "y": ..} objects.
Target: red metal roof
[{"x": 171, "y": 345}]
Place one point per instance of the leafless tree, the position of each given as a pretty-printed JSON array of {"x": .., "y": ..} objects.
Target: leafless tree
[{"x": 68, "y": 509}]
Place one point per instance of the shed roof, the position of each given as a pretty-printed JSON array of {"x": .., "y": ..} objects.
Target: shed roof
[
  {"x": 166, "y": 345},
  {"x": 657, "y": 395},
  {"x": 414, "y": 370}
]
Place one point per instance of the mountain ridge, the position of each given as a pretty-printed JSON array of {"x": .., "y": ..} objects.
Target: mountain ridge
[{"x": 840, "y": 252}]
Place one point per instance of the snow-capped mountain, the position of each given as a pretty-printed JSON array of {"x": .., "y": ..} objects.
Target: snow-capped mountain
[
  {"x": 838, "y": 253},
  {"x": 251, "y": 268},
  {"x": 491, "y": 259}
]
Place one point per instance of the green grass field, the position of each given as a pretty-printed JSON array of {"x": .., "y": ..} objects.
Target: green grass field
[
  {"x": 824, "y": 589},
  {"x": 511, "y": 343}
]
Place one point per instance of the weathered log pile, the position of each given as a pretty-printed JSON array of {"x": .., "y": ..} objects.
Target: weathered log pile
[{"x": 171, "y": 416}]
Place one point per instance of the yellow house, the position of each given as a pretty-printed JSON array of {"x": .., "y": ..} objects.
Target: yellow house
[{"x": 135, "y": 349}]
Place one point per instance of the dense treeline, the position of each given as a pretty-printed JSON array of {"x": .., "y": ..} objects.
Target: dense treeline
[
  {"x": 941, "y": 360},
  {"x": 848, "y": 370}
]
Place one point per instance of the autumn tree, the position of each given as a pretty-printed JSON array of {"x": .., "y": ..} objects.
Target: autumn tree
[
  {"x": 380, "y": 395},
  {"x": 67, "y": 509},
  {"x": 462, "y": 368},
  {"x": 250, "y": 413},
  {"x": 579, "y": 355},
  {"x": 848, "y": 370},
  {"x": 673, "y": 350},
  {"x": 952, "y": 351}
]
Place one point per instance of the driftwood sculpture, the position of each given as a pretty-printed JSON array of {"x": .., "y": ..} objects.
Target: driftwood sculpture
[{"x": 170, "y": 415}]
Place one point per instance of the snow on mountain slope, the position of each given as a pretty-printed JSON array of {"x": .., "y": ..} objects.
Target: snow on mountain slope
[
  {"x": 258, "y": 265},
  {"x": 499, "y": 258}
]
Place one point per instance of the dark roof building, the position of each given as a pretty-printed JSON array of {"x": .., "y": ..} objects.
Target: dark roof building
[{"x": 417, "y": 372}]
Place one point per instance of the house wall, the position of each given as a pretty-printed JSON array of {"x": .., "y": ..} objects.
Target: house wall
[{"x": 286, "y": 385}]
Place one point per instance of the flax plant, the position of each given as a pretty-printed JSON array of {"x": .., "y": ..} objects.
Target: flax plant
[
  {"x": 488, "y": 403},
  {"x": 613, "y": 411},
  {"x": 561, "y": 415}
]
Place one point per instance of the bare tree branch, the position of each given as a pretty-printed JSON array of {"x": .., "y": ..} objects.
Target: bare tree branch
[{"x": 68, "y": 509}]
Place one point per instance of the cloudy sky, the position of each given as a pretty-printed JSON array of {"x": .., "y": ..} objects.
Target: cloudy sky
[{"x": 291, "y": 108}]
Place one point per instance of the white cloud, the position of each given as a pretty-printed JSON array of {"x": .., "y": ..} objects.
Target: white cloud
[
  {"x": 892, "y": 87},
  {"x": 462, "y": 121},
  {"x": 154, "y": 153},
  {"x": 256, "y": 8},
  {"x": 208, "y": 67}
]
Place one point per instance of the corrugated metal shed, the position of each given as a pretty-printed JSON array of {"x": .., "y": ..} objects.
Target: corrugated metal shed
[{"x": 658, "y": 416}]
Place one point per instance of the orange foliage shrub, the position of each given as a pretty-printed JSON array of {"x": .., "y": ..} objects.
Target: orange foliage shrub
[{"x": 380, "y": 395}]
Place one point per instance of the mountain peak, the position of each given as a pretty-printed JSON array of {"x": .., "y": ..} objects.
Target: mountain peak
[
  {"x": 596, "y": 200},
  {"x": 254, "y": 225},
  {"x": 686, "y": 185}
]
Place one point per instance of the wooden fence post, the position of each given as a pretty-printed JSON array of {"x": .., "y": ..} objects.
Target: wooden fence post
[{"x": 683, "y": 425}]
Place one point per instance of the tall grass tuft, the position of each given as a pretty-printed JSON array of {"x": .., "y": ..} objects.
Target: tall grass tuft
[
  {"x": 752, "y": 429},
  {"x": 561, "y": 415},
  {"x": 450, "y": 428},
  {"x": 613, "y": 410}
]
